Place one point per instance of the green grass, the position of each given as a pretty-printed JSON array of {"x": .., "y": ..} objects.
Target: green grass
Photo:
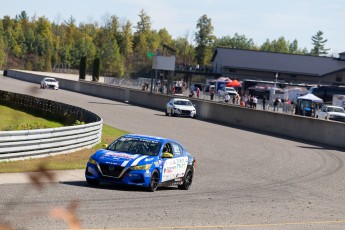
[
  {"x": 75, "y": 160},
  {"x": 11, "y": 119}
]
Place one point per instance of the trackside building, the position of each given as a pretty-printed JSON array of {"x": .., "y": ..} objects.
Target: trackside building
[{"x": 267, "y": 66}]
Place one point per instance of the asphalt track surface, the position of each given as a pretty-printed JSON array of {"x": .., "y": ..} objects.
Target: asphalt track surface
[{"x": 243, "y": 179}]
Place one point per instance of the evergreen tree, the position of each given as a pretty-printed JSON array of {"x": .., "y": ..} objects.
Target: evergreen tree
[
  {"x": 3, "y": 53},
  {"x": 96, "y": 69},
  {"x": 319, "y": 44},
  {"x": 82, "y": 68}
]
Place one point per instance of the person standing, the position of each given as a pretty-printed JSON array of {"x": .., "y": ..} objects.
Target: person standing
[
  {"x": 264, "y": 103},
  {"x": 275, "y": 104},
  {"x": 227, "y": 98},
  {"x": 255, "y": 102},
  {"x": 212, "y": 94},
  {"x": 198, "y": 92}
]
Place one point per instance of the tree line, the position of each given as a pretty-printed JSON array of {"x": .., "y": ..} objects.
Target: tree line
[{"x": 121, "y": 48}]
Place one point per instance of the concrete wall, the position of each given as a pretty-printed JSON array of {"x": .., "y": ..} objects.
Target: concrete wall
[{"x": 304, "y": 128}]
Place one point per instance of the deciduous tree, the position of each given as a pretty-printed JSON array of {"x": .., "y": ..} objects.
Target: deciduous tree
[{"x": 204, "y": 38}]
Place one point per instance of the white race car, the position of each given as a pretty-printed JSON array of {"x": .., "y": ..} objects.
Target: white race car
[
  {"x": 49, "y": 82},
  {"x": 180, "y": 107}
]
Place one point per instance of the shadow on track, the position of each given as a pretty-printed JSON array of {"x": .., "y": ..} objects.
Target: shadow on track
[{"x": 106, "y": 186}]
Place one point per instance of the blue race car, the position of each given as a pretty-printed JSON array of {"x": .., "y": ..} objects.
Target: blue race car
[{"x": 144, "y": 161}]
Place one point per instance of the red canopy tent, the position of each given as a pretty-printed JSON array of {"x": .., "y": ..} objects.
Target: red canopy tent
[{"x": 233, "y": 83}]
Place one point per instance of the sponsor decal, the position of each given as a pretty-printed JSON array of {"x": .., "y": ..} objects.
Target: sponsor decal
[
  {"x": 175, "y": 183},
  {"x": 174, "y": 168},
  {"x": 116, "y": 156},
  {"x": 139, "y": 139},
  {"x": 156, "y": 163},
  {"x": 111, "y": 163}
]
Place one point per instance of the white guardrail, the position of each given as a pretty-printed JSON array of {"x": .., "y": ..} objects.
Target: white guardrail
[
  {"x": 33, "y": 143},
  {"x": 23, "y": 144}
]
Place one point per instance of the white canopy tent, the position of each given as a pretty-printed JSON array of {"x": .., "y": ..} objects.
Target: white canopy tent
[
  {"x": 307, "y": 104},
  {"x": 311, "y": 97}
]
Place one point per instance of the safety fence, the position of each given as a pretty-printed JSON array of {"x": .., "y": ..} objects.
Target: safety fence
[{"x": 32, "y": 143}]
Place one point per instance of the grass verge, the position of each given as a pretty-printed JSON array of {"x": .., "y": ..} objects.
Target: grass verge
[{"x": 11, "y": 119}]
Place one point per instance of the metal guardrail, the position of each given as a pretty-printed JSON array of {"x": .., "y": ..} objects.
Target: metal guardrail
[{"x": 38, "y": 142}]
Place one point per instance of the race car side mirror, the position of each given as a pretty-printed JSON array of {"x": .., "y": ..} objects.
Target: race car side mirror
[{"x": 167, "y": 155}]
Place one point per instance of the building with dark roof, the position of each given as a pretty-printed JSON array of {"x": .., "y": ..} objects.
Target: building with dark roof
[{"x": 251, "y": 64}]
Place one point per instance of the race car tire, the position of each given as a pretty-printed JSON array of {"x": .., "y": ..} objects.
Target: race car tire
[
  {"x": 187, "y": 180},
  {"x": 153, "y": 181},
  {"x": 92, "y": 182}
]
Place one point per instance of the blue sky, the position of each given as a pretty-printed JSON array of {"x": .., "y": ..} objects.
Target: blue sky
[{"x": 259, "y": 20}]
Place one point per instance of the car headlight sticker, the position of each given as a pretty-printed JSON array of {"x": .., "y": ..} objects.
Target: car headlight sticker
[
  {"x": 92, "y": 161},
  {"x": 141, "y": 167}
]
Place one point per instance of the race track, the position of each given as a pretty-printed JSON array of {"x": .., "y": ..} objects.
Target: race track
[{"x": 243, "y": 180}]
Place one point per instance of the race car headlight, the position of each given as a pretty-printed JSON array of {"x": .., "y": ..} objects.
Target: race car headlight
[
  {"x": 92, "y": 161},
  {"x": 141, "y": 167}
]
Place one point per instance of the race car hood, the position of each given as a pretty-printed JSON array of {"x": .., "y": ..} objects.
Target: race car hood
[
  {"x": 122, "y": 159},
  {"x": 184, "y": 107}
]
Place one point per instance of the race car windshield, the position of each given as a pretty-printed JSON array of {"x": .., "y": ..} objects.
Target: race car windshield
[
  {"x": 183, "y": 103},
  {"x": 136, "y": 146}
]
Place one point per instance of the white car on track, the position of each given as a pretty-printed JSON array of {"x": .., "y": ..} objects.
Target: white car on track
[
  {"x": 180, "y": 107},
  {"x": 49, "y": 82}
]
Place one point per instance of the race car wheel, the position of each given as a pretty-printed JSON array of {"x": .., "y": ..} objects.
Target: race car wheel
[
  {"x": 92, "y": 182},
  {"x": 187, "y": 180},
  {"x": 154, "y": 182}
]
